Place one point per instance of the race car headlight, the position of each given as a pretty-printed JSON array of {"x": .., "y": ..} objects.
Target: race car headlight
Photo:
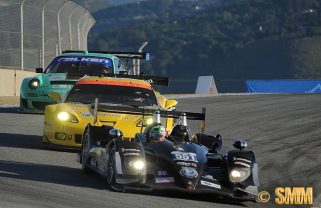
[
  {"x": 34, "y": 84},
  {"x": 239, "y": 174},
  {"x": 146, "y": 121},
  {"x": 65, "y": 116},
  {"x": 137, "y": 164}
]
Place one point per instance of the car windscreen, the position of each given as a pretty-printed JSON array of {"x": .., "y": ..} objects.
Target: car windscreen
[
  {"x": 111, "y": 94},
  {"x": 80, "y": 64}
]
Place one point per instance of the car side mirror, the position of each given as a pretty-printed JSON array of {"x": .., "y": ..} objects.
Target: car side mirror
[
  {"x": 39, "y": 70},
  {"x": 55, "y": 96},
  {"x": 116, "y": 133},
  {"x": 170, "y": 103},
  {"x": 239, "y": 144}
]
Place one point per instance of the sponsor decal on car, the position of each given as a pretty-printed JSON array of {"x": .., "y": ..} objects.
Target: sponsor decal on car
[
  {"x": 241, "y": 163},
  {"x": 209, "y": 177},
  {"x": 114, "y": 83},
  {"x": 93, "y": 161},
  {"x": 242, "y": 159},
  {"x": 161, "y": 173},
  {"x": 57, "y": 77},
  {"x": 58, "y": 86},
  {"x": 86, "y": 114},
  {"x": 115, "y": 115},
  {"x": 129, "y": 152},
  {"x": 186, "y": 156},
  {"x": 133, "y": 150},
  {"x": 188, "y": 172},
  {"x": 165, "y": 180},
  {"x": 84, "y": 60},
  {"x": 187, "y": 164},
  {"x": 213, "y": 185}
]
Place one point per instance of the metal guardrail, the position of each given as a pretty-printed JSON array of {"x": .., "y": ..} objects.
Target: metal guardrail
[{"x": 34, "y": 32}]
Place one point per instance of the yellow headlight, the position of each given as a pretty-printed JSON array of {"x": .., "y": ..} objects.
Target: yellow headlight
[
  {"x": 63, "y": 116},
  {"x": 149, "y": 121},
  {"x": 145, "y": 122}
]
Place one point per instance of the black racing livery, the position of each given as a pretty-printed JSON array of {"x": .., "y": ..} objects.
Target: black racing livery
[{"x": 185, "y": 161}]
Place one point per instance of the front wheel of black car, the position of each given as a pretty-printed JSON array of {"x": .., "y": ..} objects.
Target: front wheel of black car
[
  {"x": 111, "y": 168},
  {"x": 84, "y": 153}
]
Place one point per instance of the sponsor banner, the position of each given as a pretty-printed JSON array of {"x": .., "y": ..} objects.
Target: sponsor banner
[{"x": 284, "y": 86}]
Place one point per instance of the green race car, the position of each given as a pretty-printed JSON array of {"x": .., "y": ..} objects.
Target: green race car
[{"x": 34, "y": 92}]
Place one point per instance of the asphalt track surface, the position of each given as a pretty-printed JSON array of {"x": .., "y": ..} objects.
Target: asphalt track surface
[{"x": 283, "y": 130}]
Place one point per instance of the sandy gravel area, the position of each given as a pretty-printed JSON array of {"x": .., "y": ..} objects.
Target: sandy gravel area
[{"x": 9, "y": 100}]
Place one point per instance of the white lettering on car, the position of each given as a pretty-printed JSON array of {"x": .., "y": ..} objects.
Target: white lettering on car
[{"x": 186, "y": 156}]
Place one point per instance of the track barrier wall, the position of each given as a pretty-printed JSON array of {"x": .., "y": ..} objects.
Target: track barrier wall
[{"x": 10, "y": 81}]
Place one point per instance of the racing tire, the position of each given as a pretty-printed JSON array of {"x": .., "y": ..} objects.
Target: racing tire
[
  {"x": 84, "y": 153},
  {"x": 111, "y": 167}
]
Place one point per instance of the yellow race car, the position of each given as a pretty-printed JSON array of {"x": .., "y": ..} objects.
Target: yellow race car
[{"x": 64, "y": 123}]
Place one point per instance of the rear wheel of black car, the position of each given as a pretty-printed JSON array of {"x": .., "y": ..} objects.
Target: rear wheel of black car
[
  {"x": 84, "y": 153},
  {"x": 111, "y": 168}
]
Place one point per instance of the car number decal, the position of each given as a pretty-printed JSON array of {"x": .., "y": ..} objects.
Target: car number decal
[{"x": 186, "y": 156}]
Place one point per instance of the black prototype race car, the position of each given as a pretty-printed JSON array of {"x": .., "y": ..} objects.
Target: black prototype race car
[{"x": 186, "y": 162}]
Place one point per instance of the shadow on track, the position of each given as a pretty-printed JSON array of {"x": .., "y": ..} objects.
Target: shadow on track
[
  {"x": 9, "y": 109},
  {"x": 188, "y": 196},
  {"x": 21, "y": 141},
  {"x": 49, "y": 174},
  {"x": 27, "y": 142}
]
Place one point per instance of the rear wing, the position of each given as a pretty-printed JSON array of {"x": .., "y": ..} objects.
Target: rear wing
[
  {"x": 149, "y": 112},
  {"x": 156, "y": 80},
  {"x": 132, "y": 55}
]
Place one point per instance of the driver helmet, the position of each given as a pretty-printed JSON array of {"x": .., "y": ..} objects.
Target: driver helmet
[
  {"x": 137, "y": 96},
  {"x": 158, "y": 133},
  {"x": 105, "y": 69}
]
